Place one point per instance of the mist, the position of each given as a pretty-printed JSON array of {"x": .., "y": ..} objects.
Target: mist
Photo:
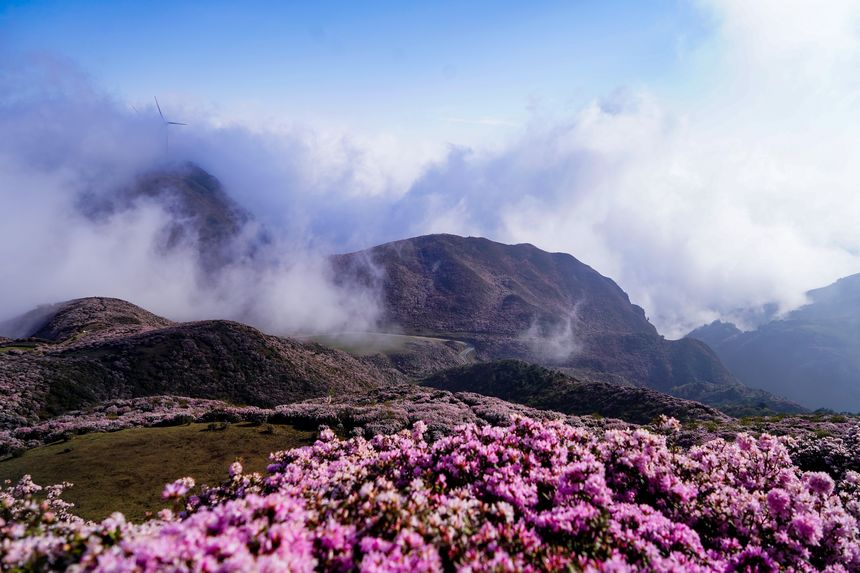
[
  {"x": 69, "y": 149},
  {"x": 556, "y": 342},
  {"x": 726, "y": 197}
]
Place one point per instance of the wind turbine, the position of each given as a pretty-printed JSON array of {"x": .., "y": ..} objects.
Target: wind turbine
[{"x": 167, "y": 125}]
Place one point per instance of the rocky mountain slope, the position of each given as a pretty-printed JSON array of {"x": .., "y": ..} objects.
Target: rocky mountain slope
[
  {"x": 811, "y": 355},
  {"x": 517, "y": 301}
]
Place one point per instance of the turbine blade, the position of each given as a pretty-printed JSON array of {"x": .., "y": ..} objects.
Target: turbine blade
[
  {"x": 175, "y": 123},
  {"x": 159, "y": 109}
]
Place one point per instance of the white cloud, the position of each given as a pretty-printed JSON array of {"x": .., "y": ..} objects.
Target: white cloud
[
  {"x": 68, "y": 143},
  {"x": 739, "y": 197}
]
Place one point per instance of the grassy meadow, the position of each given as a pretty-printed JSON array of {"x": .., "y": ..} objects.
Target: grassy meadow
[{"x": 126, "y": 470}]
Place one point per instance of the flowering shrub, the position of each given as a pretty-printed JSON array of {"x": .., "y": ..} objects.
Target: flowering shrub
[
  {"x": 836, "y": 454},
  {"x": 531, "y": 496}
]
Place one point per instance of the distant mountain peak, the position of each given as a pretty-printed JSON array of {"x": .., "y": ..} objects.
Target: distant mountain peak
[
  {"x": 476, "y": 285},
  {"x": 715, "y": 333},
  {"x": 810, "y": 355},
  {"x": 201, "y": 215}
]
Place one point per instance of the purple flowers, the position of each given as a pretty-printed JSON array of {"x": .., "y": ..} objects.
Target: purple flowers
[
  {"x": 532, "y": 496},
  {"x": 778, "y": 501},
  {"x": 819, "y": 482},
  {"x": 179, "y": 488}
]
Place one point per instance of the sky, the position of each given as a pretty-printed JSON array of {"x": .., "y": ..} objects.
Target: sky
[
  {"x": 449, "y": 71},
  {"x": 699, "y": 152}
]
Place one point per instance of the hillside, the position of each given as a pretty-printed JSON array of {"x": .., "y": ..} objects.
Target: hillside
[
  {"x": 126, "y": 470},
  {"x": 88, "y": 352},
  {"x": 812, "y": 355},
  {"x": 517, "y": 301},
  {"x": 446, "y": 283},
  {"x": 92, "y": 350},
  {"x": 538, "y": 387},
  {"x": 83, "y": 319}
]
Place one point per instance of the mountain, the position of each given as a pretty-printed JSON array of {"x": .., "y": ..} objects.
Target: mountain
[
  {"x": 811, "y": 355},
  {"x": 200, "y": 214},
  {"x": 95, "y": 349},
  {"x": 537, "y": 387},
  {"x": 447, "y": 301},
  {"x": 452, "y": 284},
  {"x": 517, "y": 301}
]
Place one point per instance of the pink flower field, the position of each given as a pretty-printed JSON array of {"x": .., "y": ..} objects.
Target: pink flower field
[{"x": 531, "y": 496}]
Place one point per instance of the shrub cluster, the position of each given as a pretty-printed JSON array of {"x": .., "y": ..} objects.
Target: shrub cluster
[{"x": 531, "y": 496}]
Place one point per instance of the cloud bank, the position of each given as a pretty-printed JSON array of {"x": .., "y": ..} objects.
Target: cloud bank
[
  {"x": 733, "y": 190},
  {"x": 738, "y": 192},
  {"x": 68, "y": 149}
]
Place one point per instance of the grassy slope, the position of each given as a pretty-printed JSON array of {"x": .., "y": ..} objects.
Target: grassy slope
[
  {"x": 126, "y": 471},
  {"x": 370, "y": 343}
]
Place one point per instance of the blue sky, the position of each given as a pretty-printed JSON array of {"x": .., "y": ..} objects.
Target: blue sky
[{"x": 444, "y": 69}]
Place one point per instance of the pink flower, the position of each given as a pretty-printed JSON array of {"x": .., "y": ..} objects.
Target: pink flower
[
  {"x": 778, "y": 500},
  {"x": 235, "y": 469},
  {"x": 818, "y": 483},
  {"x": 807, "y": 527},
  {"x": 178, "y": 488},
  {"x": 531, "y": 496},
  {"x": 668, "y": 424}
]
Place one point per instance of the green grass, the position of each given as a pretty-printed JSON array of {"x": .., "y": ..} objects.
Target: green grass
[
  {"x": 369, "y": 343},
  {"x": 8, "y": 348},
  {"x": 126, "y": 471}
]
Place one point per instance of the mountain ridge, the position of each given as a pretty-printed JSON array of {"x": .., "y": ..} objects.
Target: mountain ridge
[
  {"x": 537, "y": 387},
  {"x": 74, "y": 365},
  {"x": 520, "y": 302},
  {"x": 811, "y": 355},
  {"x": 488, "y": 300}
]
